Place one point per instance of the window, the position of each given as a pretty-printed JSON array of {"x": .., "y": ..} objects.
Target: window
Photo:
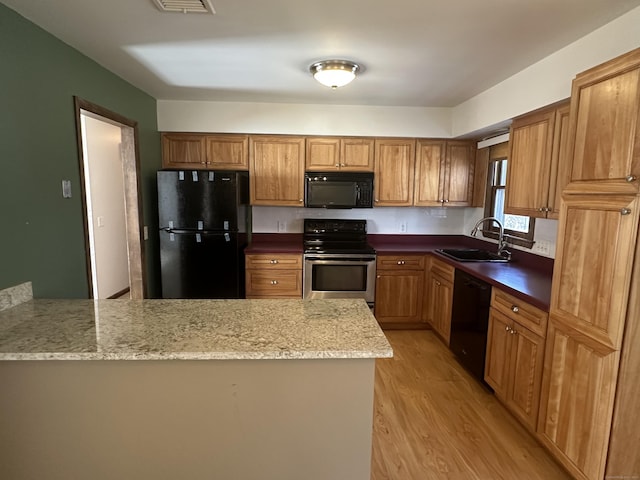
[{"x": 519, "y": 228}]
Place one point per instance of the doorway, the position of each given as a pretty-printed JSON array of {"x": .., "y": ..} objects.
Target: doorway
[{"x": 112, "y": 213}]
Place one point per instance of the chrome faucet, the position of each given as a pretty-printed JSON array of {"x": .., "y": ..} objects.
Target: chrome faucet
[{"x": 502, "y": 243}]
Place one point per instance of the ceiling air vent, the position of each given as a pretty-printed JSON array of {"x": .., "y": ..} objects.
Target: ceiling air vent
[{"x": 185, "y": 6}]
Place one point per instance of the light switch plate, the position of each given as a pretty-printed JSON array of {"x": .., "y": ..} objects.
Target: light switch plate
[{"x": 66, "y": 188}]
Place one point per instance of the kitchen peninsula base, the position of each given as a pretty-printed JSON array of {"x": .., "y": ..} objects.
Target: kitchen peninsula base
[
  {"x": 237, "y": 419},
  {"x": 188, "y": 389}
]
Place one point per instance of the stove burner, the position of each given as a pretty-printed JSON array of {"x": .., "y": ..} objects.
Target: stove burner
[{"x": 336, "y": 236}]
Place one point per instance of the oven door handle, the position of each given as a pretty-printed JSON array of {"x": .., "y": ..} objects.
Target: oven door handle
[{"x": 340, "y": 261}]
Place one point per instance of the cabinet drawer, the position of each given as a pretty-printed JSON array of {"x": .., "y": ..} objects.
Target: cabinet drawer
[
  {"x": 274, "y": 261},
  {"x": 527, "y": 315},
  {"x": 446, "y": 271},
  {"x": 394, "y": 262},
  {"x": 281, "y": 283}
]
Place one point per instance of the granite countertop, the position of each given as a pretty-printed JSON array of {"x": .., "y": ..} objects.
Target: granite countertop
[{"x": 190, "y": 330}]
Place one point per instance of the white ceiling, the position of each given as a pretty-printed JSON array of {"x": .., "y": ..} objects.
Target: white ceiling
[{"x": 429, "y": 53}]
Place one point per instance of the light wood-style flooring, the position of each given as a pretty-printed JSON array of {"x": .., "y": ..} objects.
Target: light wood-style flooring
[{"x": 432, "y": 420}]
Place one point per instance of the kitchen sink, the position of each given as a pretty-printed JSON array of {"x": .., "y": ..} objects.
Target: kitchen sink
[{"x": 472, "y": 255}]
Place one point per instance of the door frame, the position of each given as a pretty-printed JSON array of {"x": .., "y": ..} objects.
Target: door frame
[{"x": 133, "y": 198}]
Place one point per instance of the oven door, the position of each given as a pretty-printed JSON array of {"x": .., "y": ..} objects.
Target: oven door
[{"x": 339, "y": 276}]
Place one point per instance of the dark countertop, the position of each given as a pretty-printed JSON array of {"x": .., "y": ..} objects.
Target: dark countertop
[
  {"x": 527, "y": 276},
  {"x": 275, "y": 243}
]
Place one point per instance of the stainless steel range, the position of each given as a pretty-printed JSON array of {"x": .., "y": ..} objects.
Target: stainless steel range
[{"x": 338, "y": 261}]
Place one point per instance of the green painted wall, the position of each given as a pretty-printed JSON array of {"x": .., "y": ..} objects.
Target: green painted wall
[{"x": 41, "y": 234}]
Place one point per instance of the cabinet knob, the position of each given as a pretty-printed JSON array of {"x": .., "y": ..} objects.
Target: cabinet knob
[
  {"x": 513, "y": 331},
  {"x": 300, "y": 200},
  {"x": 377, "y": 200},
  {"x": 337, "y": 164},
  {"x": 541, "y": 209},
  {"x": 625, "y": 211},
  {"x": 507, "y": 328},
  {"x": 438, "y": 283},
  {"x": 342, "y": 164},
  {"x": 446, "y": 201},
  {"x": 515, "y": 309},
  {"x": 630, "y": 178}
]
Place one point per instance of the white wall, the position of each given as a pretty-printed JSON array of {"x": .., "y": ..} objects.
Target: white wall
[
  {"x": 389, "y": 220},
  {"x": 106, "y": 207},
  {"x": 548, "y": 80},
  {"x": 283, "y": 118}
]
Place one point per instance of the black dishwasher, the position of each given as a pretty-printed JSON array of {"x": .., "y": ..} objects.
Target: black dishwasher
[{"x": 470, "y": 321}]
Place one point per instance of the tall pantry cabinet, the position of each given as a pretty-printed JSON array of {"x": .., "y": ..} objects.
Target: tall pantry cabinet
[{"x": 590, "y": 404}]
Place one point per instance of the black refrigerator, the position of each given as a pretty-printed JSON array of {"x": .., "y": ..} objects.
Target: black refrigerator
[{"x": 205, "y": 222}]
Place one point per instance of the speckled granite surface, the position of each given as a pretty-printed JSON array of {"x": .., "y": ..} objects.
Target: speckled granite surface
[
  {"x": 10, "y": 297},
  {"x": 190, "y": 330}
]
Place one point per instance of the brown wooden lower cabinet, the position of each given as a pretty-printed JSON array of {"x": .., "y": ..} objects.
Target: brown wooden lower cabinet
[
  {"x": 399, "y": 290},
  {"x": 439, "y": 298},
  {"x": 273, "y": 275},
  {"x": 514, "y": 365}
]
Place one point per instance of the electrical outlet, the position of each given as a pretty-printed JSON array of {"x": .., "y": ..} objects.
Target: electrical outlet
[
  {"x": 403, "y": 227},
  {"x": 282, "y": 226},
  {"x": 542, "y": 247}
]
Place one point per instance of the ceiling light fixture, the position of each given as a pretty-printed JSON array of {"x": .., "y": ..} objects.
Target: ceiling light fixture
[{"x": 334, "y": 73}]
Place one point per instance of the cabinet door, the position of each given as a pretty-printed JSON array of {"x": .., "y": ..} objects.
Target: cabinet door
[
  {"x": 277, "y": 170},
  {"x": 183, "y": 151},
  {"x": 356, "y": 154},
  {"x": 394, "y": 172},
  {"x": 576, "y": 406},
  {"x": 560, "y": 162},
  {"x": 227, "y": 152},
  {"x": 399, "y": 296},
  {"x": 526, "y": 364},
  {"x": 429, "y": 173},
  {"x": 496, "y": 367},
  {"x": 592, "y": 271},
  {"x": 458, "y": 184},
  {"x": 605, "y": 128},
  {"x": 531, "y": 144},
  {"x": 480, "y": 173},
  {"x": 323, "y": 154},
  {"x": 441, "y": 293}
]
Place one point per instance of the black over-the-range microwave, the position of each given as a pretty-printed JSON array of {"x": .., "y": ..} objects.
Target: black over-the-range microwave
[{"x": 338, "y": 189}]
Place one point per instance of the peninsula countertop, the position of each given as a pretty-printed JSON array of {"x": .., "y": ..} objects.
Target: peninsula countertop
[{"x": 190, "y": 330}]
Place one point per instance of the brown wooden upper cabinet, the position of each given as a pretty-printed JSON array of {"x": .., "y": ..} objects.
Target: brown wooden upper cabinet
[
  {"x": 277, "y": 170},
  {"x": 444, "y": 173},
  {"x": 605, "y": 128},
  {"x": 205, "y": 151},
  {"x": 347, "y": 154},
  {"x": 538, "y": 163},
  {"x": 394, "y": 171}
]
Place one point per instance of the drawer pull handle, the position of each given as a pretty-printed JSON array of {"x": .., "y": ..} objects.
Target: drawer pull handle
[
  {"x": 515, "y": 309},
  {"x": 274, "y": 282},
  {"x": 400, "y": 262},
  {"x": 625, "y": 211},
  {"x": 274, "y": 261}
]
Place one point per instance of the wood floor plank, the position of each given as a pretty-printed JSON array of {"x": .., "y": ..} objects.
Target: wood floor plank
[{"x": 432, "y": 420}]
